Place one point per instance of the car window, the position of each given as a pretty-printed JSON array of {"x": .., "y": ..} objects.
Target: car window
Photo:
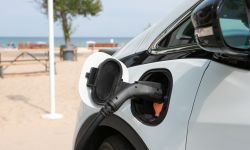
[
  {"x": 182, "y": 35},
  {"x": 234, "y": 24}
]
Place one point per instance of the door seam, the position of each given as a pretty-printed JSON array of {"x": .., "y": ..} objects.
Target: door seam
[{"x": 194, "y": 103}]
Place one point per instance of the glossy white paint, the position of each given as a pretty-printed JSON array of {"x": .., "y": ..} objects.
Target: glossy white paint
[
  {"x": 132, "y": 46},
  {"x": 171, "y": 133},
  {"x": 221, "y": 115},
  {"x": 186, "y": 77}
]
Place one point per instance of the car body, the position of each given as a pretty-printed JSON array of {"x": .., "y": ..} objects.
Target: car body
[{"x": 208, "y": 94}]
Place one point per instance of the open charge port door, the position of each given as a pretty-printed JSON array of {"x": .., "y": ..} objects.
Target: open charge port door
[{"x": 145, "y": 110}]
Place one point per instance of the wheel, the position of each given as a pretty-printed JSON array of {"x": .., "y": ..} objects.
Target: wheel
[{"x": 116, "y": 142}]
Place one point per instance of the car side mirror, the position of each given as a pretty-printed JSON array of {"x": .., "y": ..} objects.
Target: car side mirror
[{"x": 222, "y": 26}]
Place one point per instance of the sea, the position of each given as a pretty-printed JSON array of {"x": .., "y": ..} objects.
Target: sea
[{"x": 77, "y": 41}]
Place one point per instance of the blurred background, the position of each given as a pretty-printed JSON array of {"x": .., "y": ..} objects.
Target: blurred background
[
  {"x": 79, "y": 32},
  {"x": 24, "y": 21}
]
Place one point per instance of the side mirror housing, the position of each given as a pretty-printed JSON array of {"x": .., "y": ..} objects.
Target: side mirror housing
[{"x": 222, "y": 26}]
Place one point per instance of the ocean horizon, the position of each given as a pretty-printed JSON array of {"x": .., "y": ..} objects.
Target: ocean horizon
[{"x": 77, "y": 41}]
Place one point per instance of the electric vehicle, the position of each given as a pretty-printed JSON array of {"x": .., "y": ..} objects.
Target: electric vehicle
[{"x": 183, "y": 84}]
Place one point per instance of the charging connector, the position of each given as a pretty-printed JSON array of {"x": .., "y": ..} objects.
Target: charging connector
[
  {"x": 140, "y": 89},
  {"x": 109, "y": 90}
]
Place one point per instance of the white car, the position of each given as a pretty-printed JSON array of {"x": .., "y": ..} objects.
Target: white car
[{"x": 183, "y": 84}]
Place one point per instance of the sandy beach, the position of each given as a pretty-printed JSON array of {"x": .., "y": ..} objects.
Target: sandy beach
[{"x": 23, "y": 101}]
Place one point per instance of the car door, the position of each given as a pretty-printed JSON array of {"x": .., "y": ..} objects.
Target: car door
[
  {"x": 178, "y": 57},
  {"x": 221, "y": 115}
]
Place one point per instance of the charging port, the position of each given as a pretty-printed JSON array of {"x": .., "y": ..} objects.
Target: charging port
[{"x": 153, "y": 112}]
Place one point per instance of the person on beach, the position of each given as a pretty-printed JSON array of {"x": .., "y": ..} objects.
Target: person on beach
[{"x": 11, "y": 45}]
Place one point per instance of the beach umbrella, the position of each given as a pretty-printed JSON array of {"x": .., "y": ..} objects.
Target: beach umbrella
[{"x": 52, "y": 114}]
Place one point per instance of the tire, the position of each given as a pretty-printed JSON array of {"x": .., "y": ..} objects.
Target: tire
[{"x": 116, "y": 142}]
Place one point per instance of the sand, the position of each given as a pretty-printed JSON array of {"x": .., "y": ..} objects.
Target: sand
[{"x": 23, "y": 101}]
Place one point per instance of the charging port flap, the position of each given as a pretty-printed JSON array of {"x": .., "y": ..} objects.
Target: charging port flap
[{"x": 114, "y": 69}]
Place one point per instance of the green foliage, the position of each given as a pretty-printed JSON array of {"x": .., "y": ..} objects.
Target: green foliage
[{"x": 66, "y": 10}]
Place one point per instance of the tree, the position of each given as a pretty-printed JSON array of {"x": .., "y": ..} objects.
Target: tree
[{"x": 66, "y": 10}]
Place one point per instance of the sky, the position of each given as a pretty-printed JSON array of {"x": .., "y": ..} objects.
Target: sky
[{"x": 119, "y": 18}]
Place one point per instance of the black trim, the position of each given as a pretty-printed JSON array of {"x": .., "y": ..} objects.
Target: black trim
[
  {"x": 145, "y": 57},
  {"x": 118, "y": 125}
]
